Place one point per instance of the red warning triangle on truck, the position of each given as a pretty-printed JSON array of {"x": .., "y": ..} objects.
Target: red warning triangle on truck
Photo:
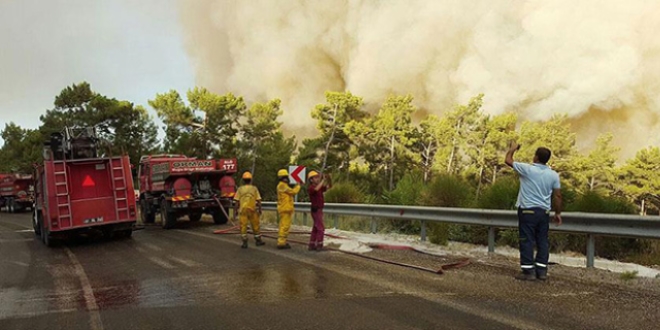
[{"x": 88, "y": 182}]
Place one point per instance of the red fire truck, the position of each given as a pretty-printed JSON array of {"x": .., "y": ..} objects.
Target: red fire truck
[
  {"x": 79, "y": 190},
  {"x": 176, "y": 185},
  {"x": 16, "y": 192}
]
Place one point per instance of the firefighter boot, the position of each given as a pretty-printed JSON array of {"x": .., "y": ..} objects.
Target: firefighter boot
[
  {"x": 526, "y": 275},
  {"x": 259, "y": 241},
  {"x": 244, "y": 246}
]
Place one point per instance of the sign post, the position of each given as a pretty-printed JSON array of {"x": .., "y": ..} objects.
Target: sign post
[{"x": 297, "y": 174}]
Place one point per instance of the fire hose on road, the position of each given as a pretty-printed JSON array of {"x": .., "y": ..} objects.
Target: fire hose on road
[
  {"x": 463, "y": 262},
  {"x": 234, "y": 229}
]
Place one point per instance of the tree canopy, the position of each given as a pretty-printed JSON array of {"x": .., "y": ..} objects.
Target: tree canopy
[{"x": 374, "y": 149}]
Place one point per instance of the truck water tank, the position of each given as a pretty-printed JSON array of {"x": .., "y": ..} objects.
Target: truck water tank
[
  {"x": 182, "y": 187},
  {"x": 227, "y": 186}
]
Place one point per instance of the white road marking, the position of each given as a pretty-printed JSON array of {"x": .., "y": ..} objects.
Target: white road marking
[
  {"x": 151, "y": 246},
  {"x": 18, "y": 263},
  {"x": 188, "y": 263},
  {"x": 95, "y": 322},
  {"x": 161, "y": 262},
  {"x": 156, "y": 260},
  {"x": 16, "y": 240}
]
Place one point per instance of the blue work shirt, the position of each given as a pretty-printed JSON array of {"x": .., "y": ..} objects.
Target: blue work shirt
[{"x": 536, "y": 184}]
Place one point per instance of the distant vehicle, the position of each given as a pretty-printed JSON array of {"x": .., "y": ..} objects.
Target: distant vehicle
[
  {"x": 176, "y": 185},
  {"x": 16, "y": 192},
  {"x": 77, "y": 190}
]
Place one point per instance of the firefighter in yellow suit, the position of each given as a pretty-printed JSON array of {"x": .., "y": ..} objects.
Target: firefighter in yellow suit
[
  {"x": 285, "y": 195},
  {"x": 248, "y": 207}
]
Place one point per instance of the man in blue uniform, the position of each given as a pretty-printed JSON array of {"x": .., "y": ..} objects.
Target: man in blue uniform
[{"x": 538, "y": 183}]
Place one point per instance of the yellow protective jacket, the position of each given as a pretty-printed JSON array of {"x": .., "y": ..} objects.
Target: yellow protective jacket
[
  {"x": 247, "y": 195},
  {"x": 285, "y": 196}
]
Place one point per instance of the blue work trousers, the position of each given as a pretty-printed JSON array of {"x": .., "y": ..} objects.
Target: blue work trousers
[{"x": 533, "y": 227}]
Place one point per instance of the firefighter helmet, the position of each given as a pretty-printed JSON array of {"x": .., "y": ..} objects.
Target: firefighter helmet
[
  {"x": 282, "y": 173},
  {"x": 312, "y": 174},
  {"x": 247, "y": 175}
]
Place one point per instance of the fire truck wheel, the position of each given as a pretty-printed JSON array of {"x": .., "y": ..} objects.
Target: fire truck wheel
[
  {"x": 45, "y": 237},
  {"x": 36, "y": 223},
  {"x": 10, "y": 206},
  {"x": 167, "y": 217},
  {"x": 195, "y": 216},
  {"x": 219, "y": 217},
  {"x": 125, "y": 233},
  {"x": 147, "y": 215}
]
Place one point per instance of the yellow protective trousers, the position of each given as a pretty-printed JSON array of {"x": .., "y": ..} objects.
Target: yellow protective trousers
[
  {"x": 285, "y": 225},
  {"x": 252, "y": 217}
]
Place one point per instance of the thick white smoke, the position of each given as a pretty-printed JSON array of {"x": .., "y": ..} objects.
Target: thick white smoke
[{"x": 598, "y": 61}]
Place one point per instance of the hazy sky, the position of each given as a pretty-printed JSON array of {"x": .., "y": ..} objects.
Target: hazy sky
[{"x": 125, "y": 49}]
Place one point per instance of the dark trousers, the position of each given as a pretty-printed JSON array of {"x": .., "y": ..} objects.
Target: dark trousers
[
  {"x": 318, "y": 230},
  {"x": 533, "y": 227}
]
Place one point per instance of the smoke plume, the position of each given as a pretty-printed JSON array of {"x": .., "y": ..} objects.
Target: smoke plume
[{"x": 598, "y": 61}]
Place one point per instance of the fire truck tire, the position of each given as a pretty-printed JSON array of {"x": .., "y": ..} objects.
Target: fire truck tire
[
  {"x": 195, "y": 216},
  {"x": 125, "y": 233},
  {"x": 219, "y": 217},
  {"x": 10, "y": 206},
  {"x": 167, "y": 217},
  {"x": 147, "y": 215},
  {"x": 45, "y": 237},
  {"x": 36, "y": 222}
]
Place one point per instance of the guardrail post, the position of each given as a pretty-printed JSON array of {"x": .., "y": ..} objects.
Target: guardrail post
[
  {"x": 491, "y": 239},
  {"x": 374, "y": 226},
  {"x": 335, "y": 219},
  {"x": 295, "y": 214},
  {"x": 423, "y": 233},
  {"x": 591, "y": 250}
]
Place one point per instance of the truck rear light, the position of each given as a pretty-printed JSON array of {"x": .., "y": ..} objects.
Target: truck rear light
[{"x": 131, "y": 210}]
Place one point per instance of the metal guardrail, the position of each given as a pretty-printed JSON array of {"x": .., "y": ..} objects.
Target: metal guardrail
[{"x": 591, "y": 224}]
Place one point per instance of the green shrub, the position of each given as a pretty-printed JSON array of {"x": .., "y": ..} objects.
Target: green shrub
[
  {"x": 594, "y": 202},
  {"x": 345, "y": 192},
  {"x": 446, "y": 191},
  {"x": 509, "y": 237},
  {"x": 607, "y": 247},
  {"x": 628, "y": 276},
  {"x": 408, "y": 191},
  {"x": 501, "y": 195}
]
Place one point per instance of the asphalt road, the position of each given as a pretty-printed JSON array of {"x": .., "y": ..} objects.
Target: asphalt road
[{"x": 188, "y": 278}]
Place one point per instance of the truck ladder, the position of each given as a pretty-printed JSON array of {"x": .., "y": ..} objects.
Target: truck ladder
[
  {"x": 119, "y": 187},
  {"x": 62, "y": 193}
]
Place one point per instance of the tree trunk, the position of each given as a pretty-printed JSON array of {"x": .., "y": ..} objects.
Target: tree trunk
[
  {"x": 392, "y": 164},
  {"x": 643, "y": 211},
  {"x": 332, "y": 137},
  {"x": 494, "y": 174},
  {"x": 254, "y": 164},
  {"x": 592, "y": 183},
  {"x": 427, "y": 161},
  {"x": 451, "y": 158},
  {"x": 481, "y": 175},
  {"x": 453, "y": 148}
]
